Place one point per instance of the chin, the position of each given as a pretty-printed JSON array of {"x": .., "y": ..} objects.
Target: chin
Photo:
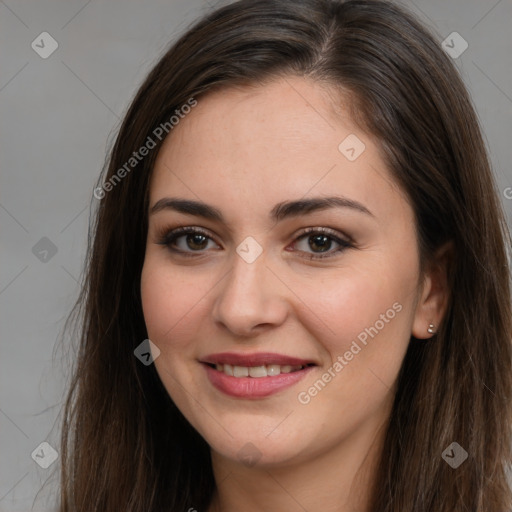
[{"x": 253, "y": 447}]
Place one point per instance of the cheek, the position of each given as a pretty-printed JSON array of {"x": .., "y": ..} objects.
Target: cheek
[
  {"x": 170, "y": 302},
  {"x": 171, "y": 306},
  {"x": 344, "y": 308},
  {"x": 363, "y": 320}
]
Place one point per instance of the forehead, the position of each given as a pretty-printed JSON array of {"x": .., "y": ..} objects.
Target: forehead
[{"x": 261, "y": 145}]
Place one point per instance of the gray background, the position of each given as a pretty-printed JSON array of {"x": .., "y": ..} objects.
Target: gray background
[{"x": 59, "y": 113}]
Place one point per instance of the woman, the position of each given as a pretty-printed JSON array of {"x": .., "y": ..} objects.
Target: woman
[{"x": 298, "y": 294}]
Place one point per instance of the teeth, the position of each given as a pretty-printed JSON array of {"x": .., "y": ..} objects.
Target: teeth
[
  {"x": 273, "y": 369},
  {"x": 240, "y": 371},
  {"x": 270, "y": 370},
  {"x": 258, "y": 371}
]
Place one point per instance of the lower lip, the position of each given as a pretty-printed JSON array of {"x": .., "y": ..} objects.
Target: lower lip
[{"x": 253, "y": 387}]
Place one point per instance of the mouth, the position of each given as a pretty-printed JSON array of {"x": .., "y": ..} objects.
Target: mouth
[{"x": 254, "y": 376}]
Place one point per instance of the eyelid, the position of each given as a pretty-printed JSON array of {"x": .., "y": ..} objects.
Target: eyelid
[
  {"x": 336, "y": 235},
  {"x": 166, "y": 236},
  {"x": 345, "y": 242}
]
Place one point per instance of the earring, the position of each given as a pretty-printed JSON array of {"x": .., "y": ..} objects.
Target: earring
[{"x": 431, "y": 329}]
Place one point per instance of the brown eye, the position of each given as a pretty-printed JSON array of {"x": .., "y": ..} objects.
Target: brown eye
[
  {"x": 196, "y": 241},
  {"x": 317, "y": 243},
  {"x": 187, "y": 241}
]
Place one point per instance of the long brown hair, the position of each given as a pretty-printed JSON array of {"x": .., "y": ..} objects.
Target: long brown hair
[{"x": 125, "y": 445}]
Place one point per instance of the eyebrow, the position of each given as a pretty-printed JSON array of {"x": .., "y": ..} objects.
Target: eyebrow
[{"x": 279, "y": 212}]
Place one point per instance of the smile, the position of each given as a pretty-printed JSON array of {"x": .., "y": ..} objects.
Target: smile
[{"x": 254, "y": 376}]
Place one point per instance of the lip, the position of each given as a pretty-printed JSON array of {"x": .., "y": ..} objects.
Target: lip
[
  {"x": 255, "y": 359},
  {"x": 253, "y": 388}
]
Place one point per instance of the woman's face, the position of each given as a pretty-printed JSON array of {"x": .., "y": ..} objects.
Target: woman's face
[{"x": 298, "y": 275}]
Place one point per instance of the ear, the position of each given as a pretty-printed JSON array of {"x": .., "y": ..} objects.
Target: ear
[{"x": 435, "y": 293}]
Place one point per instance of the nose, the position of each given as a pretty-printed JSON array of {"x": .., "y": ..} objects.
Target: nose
[{"x": 251, "y": 299}]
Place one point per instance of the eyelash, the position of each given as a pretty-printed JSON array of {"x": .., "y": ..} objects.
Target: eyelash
[{"x": 167, "y": 238}]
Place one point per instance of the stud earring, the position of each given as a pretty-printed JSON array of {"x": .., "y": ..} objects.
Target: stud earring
[{"x": 431, "y": 329}]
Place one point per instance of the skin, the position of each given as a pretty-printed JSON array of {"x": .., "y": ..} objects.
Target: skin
[{"x": 244, "y": 150}]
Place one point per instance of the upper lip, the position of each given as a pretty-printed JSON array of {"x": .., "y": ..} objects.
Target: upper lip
[{"x": 255, "y": 359}]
